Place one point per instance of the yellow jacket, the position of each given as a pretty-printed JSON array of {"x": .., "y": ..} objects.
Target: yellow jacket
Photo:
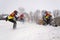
[{"x": 11, "y": 16}]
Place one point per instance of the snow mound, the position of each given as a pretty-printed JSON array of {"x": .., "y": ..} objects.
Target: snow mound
[{"x": 28, "y": 31}]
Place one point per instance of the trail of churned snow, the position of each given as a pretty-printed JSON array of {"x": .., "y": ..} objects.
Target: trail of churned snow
[{"x": 28, "y": 31}]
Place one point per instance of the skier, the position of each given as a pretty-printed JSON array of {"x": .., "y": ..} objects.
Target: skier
[
  {"x": 12, "y": 18},
  {"x": 47, "y": 18},
  {"x": 21, "y": 17}
]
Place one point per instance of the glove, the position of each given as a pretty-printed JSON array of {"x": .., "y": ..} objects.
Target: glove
[
  {"x": 16, "y": 18},
  {"x": 6, "y": 18}
]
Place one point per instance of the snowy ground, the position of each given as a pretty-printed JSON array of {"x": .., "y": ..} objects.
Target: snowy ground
[{"x": 28, "y": 31}]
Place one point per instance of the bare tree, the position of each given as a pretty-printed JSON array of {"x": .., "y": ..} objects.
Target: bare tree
[
  {"x": 56, "y": 13},
  {"x": 56, "y": 19},
  {"x": 31, "y": 16},
  {"x": 21, "y": 10},
  {"x": 36, "y": 17}
]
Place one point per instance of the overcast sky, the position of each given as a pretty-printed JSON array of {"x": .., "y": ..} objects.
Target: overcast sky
[{"x": 6, "y": 6}]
